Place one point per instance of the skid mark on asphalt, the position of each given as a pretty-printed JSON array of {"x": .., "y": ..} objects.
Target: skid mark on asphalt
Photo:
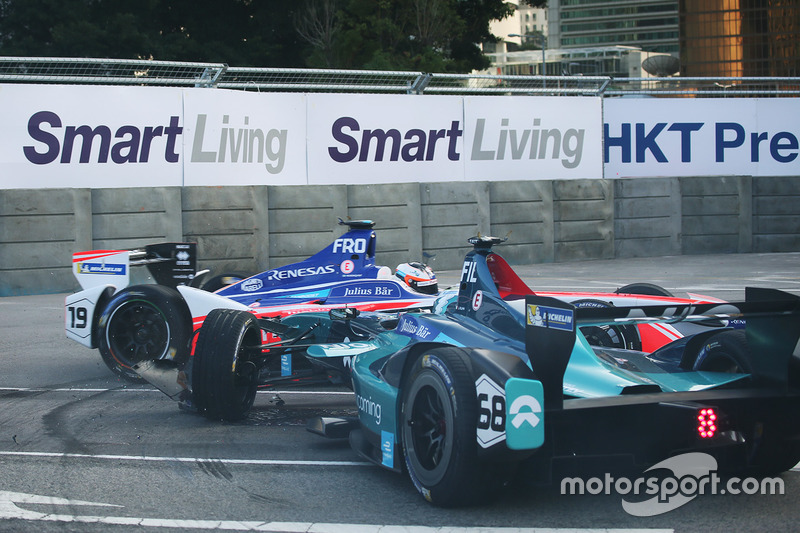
[
  {"x": 216, "y": 468},
  {"x": 55, "y": 424}
]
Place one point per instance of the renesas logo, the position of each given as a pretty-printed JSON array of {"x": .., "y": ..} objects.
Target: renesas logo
[
  {"x": 354, "y": 143},
  {"x": 640, "y": 142},
  {"x": 239, "y": 142},
  {"x": 53, "y": 141},
  {"x": 290, "y": 273}
]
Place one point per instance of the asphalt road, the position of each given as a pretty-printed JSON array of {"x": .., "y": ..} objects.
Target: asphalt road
[{"x": 82, "y": 451}]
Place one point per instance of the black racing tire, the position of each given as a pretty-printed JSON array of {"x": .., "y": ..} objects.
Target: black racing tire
[
  {"x": 624, "y": 337},
  {"x": 143, "y": 323},
  {"x": 438, "y": 422},
  {"x": 224, "y": 376},
  {"x": 645, "y": 289},
  {"x": 726, "y": 351},
  {"x": 219, "y": 281},
  {"x": 775, "y": 458}
]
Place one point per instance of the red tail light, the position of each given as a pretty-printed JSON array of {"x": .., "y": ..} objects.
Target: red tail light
[{"x": 706, "y": 423}]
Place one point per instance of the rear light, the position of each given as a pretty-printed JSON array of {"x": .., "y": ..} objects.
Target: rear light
[{"x": 706, "y": 423}]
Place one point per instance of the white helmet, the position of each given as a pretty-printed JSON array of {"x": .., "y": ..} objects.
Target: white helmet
[{"x": 418, "y": 276}]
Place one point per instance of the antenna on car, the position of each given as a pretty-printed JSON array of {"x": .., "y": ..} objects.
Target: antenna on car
[
  {"x": 485, "y": 242},
  {"x": 356, "y": 224}
]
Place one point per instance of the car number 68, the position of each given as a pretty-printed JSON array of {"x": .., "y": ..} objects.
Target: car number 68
[{"x": 492, "y": 412}]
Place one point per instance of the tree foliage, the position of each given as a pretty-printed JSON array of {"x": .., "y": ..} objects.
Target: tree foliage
[{"x": 428, "y": 35}]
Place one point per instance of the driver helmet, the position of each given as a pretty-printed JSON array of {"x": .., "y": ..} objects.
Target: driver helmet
[{"x": 418, "y": 276}]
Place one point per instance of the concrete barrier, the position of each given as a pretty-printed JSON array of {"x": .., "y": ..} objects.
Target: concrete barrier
[{"x": 252, "y": 228}]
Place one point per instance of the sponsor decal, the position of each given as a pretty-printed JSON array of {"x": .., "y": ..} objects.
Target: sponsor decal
[
  {"x": 387, "y": 449},
  {"x": 240, "y": 144},
  {"x": 415, "y": 144},
  {"x": 182, "y": 255},
  {"x": 525, "y": 414},
  {"x": 550, "y": 317},
  {"x": 314, "y": 295},
  {"x": 55, "y": 142},
  {"x": 528, "y": 143},
  {"x": 477, "y": 300},
  {"x": 347, "y": 266},
  {"x": 491, "y": 412},
  {"x": 101, "y": 268},
  {"x": 251, "y": 285},
  {"x": 468, "y": 272},
  {"x": 431, "y": 361},
  {"x": 391, "y": 144},
  {"x": 344, "y": 348},
  {"x": 411, "y": 327},
  {"x": 289, "y": 273},
  {"x": 286, "y": 364},
  {"x": 369, "y": 408},
  {"x": 640, "y": 141},
  {"x": 524, "y": 411},
  {"x": 513, "y": 414},
  {"x": 350, "y": 246},
  {"x": 367, "y": 290}
]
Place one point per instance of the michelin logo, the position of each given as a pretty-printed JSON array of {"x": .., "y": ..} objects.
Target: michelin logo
[
  {"x": 550, "y": 317},
  {"x": 101, "y": 268}
]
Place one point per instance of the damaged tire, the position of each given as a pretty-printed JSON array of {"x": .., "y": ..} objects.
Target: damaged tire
[
  {"x": 224, "y": 374},
  {"x": 143, "y": 323}
]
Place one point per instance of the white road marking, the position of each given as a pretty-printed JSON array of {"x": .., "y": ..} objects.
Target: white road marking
[
  {"x": 79, "y": 389},
  {"x": 10, "y": 510},
  {"x": 159, "y": 459}
]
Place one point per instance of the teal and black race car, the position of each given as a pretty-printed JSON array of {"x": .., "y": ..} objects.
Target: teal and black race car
[{"x": 500, "y": 381}]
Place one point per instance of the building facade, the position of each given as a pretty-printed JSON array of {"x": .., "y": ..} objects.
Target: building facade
[
  {"x": 735, "y": 38},
  {"x": 651, "y": 25}
]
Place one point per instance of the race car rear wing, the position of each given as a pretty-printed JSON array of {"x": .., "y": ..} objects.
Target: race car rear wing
[
  {"x": 772, "y": 318},
  {"x": 170, "y": 264}
]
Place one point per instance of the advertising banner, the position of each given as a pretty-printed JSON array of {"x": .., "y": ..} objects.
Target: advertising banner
[
  {"x": 532, "y": 137},
  {"x": 384, "y": 138},
  {"x": 90, "y": 136},
  {"x": 646, "y": 137},
  {"x": 54, "y": 136},
  {"x": 244, "y": 138},
  {"x": 391, "y": 138}
]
